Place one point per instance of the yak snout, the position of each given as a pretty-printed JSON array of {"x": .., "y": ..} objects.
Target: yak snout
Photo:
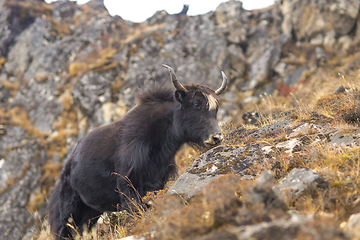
[{"x": 214, "y": 139}]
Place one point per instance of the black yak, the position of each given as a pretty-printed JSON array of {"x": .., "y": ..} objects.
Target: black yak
[{"x": 124, "y": 160}]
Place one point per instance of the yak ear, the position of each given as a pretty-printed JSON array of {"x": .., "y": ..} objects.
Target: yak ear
[{"x": 180, "y": 95}]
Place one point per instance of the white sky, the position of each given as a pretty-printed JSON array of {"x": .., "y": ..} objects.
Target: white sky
[{"x": 140, "y": 10}]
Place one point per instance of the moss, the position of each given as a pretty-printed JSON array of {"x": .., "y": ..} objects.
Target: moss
[
  {"x": 36, "y": 202},
  {"x": 10, "y": 182},
  {"x": 77, "y": 68},
  {"x": 2, "y": 61},
  {"x": 50, "y": 172},
  {"x": 12, "y": 87}
]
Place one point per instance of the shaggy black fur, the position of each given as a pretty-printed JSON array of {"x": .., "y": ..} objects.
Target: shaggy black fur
[{"x": 135, "y": 152}]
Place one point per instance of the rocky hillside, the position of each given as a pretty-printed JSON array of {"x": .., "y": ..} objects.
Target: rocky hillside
[{"x": 67, "y": 68}]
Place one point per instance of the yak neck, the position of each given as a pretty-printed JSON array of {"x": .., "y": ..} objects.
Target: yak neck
[
  {"x": 166, "y": 138},
  {"x": 151, "y": 125}
]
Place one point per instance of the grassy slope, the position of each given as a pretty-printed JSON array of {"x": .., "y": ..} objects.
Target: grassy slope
[{"x": 172, "y": 218}]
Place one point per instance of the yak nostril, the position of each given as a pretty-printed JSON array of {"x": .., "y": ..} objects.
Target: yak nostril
[
  {"x": 214, "y": 139},
  {"x": 217, "y": 138}
]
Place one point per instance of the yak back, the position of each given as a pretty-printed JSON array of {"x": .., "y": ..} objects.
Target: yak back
[{"x": 154, "y": 93}]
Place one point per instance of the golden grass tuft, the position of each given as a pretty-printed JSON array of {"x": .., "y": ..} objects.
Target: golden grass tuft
[{"x": 12, "y": 87}]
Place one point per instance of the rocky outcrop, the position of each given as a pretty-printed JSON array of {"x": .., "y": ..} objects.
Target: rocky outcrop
[
  {"x": 285, "y": 142},
  {"x": 212, "y": 164},
  {"x": 242, "y": 160},
  {"x": 20, "y": 183},
  {"x": 67, "y": 68},
  {"x": 315, "y": 20}
]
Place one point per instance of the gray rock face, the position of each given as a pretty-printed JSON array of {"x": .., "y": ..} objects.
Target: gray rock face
[
  {"x": 12, "y": 23},
  {"x": 30, "y": 43},
  {"x": 63, "y": 11},
  {"x": 198, "y": 38},
  {"x": 4, "y": 94},
  {"x": 309, "y": 18},
  {"x": 21, "y": 158},
  {"x": 223, "y": 159},
  {"x": 294, "y": 76},
  {"x": 91, "y": 91},
  {"x": 233, "y": 20},
  {"x": 269, "y": 55},
  {"x": 353, "y": 225},
  {"x": 298, "y": 181},
  {"x": 71, "y": 68},
  {"x": 275, "y": 128},
  {"x": 44, "y": 107},
  {"x": 212, "y": 164},
  {"x": 280, "y": 229}
]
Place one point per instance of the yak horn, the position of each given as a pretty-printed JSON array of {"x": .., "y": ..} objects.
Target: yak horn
[
  {"x": 223, "y": 85},
  {"x": 176, "y": 82}
]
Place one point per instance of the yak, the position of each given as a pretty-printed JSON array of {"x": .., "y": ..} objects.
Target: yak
[{"x": 115, "y": 164}]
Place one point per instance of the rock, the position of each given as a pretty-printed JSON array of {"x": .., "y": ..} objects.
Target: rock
[
  {"x": 217, "y": 234},
  {"x": 12, "y": 139},
  {"x": 16, "y": 219},
  {"x": 345, "y": 15},
  {"x": 345, "y": 42},
  {"x": 251, "y": 117},
  {"x": 317, "y": 40},
  {"x": 320, "y": 56},
  {"x": 294, "y": 77},
  {"x": 287, "y": 228},
  {"x": 184, "y": 53},
  {"x": 331, "y": 21},
  {"x": 262, "y": 193},
  {"x": 333, "y": 137},
  {"x": 271, "y": 129},
  {"x": 70, "y": 68},
  {"x": 260, "y": 68},
  {"x": 188, "y": 185},
  {"x": 233, "y": 20},
  {"x": 21, "y": 158},
  {"x": 330, "y": 39},
  {"x": 4, "y": 94},
  {"x": 39, "y": 100},
  {"x": 29, "y": 44},
  {"x": 339, "y": 138},
  {"x": 280, "y": 69},
  {"x": 212, "y": 164},
  {"x": 339, "y": 90},
  {"x": 158, "y": 17},
  {"x": 12, "y": 23},
  {"x": 63, "y": 10},
  {"x": 132, "y": 238},
  {"x": 309, "y": 18},
  {"x": 237, "y": 61},
  {"x": 97, "y": 6},
  {"x": 353, "y": 65},
  {"x": 92, "y": 90},
  {"x": 353, "y": 224},
  {"x": 298, "y": 181}
]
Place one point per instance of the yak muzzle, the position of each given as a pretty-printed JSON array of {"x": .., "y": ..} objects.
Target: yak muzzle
[{"x": 214, "y": 140}]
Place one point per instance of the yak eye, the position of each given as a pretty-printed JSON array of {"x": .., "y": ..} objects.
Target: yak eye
[{"x": 196, "y": 104}]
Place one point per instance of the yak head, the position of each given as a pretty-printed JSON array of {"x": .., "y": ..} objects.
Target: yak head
[{"x": 195, "y": 119}]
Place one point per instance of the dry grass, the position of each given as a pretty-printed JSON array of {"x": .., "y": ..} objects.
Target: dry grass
[
  {"x": 228, "y": 201},
  {"x": 225, "y": 202},
  {"x": 171, "y": 218}
]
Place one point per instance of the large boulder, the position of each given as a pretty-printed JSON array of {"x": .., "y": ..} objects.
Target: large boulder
[
  {"x": 309, "y": 18},
  {"x": 214, "y": 163}
]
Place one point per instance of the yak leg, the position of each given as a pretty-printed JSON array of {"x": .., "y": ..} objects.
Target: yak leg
[
  {"x": 70, "y": 207},
  {"x": 83, "y": 217},
  {"x": 88, "y": 218}
]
